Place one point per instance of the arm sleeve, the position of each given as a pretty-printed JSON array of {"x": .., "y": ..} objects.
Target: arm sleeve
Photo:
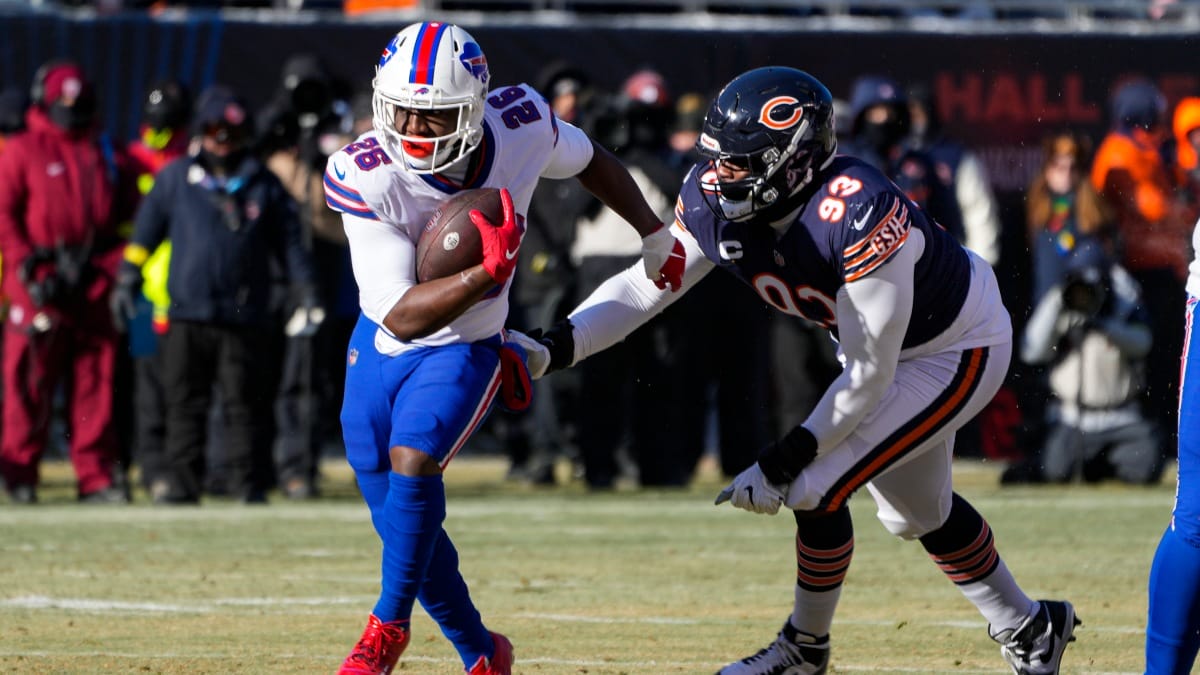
[
  {"x": 14, "y": 240},
  {"x": 384, "y": 264},
  {"x": 980, "y": 215},
  {"x": 297, "y": 252},
  {"x": 873, "y": 314},
  {"x": 571, "y": 152},
  {"x": 1041, "y": 333},
  {"x": 150, "y": 223},
  {"x": 1131, "y": 338},
  {"x": 628, "y": 299}
]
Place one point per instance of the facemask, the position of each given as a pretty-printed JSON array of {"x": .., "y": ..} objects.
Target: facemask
[
  {"x": 882, "y": 136},
  {"x": 223, "y": 164}
]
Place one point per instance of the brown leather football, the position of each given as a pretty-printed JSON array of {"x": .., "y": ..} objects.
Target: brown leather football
[{"x": 450, "y": 242}]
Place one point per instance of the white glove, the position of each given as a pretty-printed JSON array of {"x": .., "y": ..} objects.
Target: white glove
[
  {"x": 536, "y": 354},
  {"x": 751, "y": 491},
  {"x": 304, "y": 322},
  {"x": 663, "y": 257}
]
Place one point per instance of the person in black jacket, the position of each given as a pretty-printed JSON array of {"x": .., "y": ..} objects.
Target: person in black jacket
[{"x": 228, "y": 218}]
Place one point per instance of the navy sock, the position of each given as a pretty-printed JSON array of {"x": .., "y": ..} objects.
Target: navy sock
[
  {"x": 445, "y": 597},
  {"x": 1172, "y": 636},
  {"x": 411, "y": 524}
]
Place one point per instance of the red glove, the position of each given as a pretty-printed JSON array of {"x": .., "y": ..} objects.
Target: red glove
[
  {"x": 663, "y": 257},
  {"x": 500, "y": 241}
]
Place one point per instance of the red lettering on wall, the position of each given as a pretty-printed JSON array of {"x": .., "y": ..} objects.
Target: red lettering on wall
[
  {"x": 1028, "y": 98},
  {"x": 1079, "y": 109},
  {"x": 958, "y": 101},
  {"x": 1044, "y": 108},
  {"x": 1005, "y": 101}
]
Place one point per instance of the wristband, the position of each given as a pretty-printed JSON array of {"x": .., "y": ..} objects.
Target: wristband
[
  {"x": 784, "y": 459},
  {"x": 560, "y": 341}
]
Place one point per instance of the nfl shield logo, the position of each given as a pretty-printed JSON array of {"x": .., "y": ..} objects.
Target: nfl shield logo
[{"x": 352, "y": 357}]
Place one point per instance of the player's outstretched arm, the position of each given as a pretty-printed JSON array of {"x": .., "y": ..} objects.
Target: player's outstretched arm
[{"x": 663, "y": 255}]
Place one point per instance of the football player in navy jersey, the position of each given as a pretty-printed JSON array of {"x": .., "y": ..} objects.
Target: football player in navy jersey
[
  {"x": 427, "y": 357},
  {"x": 922, "y": 334}
]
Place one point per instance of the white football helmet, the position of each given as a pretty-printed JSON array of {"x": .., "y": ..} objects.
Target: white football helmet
[{"x": 431, "y": 66}]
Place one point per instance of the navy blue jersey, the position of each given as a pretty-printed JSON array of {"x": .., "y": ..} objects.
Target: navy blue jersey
[{"x": 853, "y": 220}]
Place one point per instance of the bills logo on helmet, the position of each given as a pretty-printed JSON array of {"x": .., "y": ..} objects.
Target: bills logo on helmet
[
  {"x": 389, "y": 51},
  {"x": 781, "y": 112},
  {"x": 474, "y": 61}
]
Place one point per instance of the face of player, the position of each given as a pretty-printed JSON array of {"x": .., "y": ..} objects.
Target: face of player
[
  {"x": 425, "y": 124},
  {"x": 732, "y": 169}
]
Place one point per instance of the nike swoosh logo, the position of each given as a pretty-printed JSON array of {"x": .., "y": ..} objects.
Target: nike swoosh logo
[
  {"x": 337, "y": 170},
  {"x": 859, "y": 223},
  {"x": 510, "y": 254}
]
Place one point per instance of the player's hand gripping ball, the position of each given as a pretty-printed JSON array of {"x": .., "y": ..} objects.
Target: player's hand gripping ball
[{"x": 450, "y": 241}]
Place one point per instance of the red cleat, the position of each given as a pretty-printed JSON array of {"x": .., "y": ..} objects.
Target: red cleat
[
  {"x": 501, "y": 661},
  {"x": 378, "y": 649}
]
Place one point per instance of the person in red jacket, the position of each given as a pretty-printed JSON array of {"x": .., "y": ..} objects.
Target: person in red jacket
[{"x": 63, "y": 191}]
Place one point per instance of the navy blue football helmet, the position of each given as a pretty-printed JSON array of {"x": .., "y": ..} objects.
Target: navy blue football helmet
[{"x": 778, "y": 123}]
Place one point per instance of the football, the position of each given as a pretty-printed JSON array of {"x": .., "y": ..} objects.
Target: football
[{"x": 449, "y": 242}]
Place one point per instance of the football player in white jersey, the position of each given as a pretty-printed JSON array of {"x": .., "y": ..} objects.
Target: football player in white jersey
[
  {"x": 426, "y": 359},
  {"x": 923, "y": 336}
]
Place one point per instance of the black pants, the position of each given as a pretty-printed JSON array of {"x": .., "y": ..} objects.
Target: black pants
[
  {"x": 195, "y": 357},
  {"x": 720, "y": 349},
  {"x": 150, "y": 417}
]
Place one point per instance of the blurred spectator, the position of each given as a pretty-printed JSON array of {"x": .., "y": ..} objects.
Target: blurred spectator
[
  {"x": 1187, "y": 151},
  {"x": 569, "y": 91},
  {"x": 228, "y": 218},
  {"x": 1062, "y": 207},
  {"x": 689, "y": 117},
  {"x": 63, "y": 191},
  {"x": 307, "y": 121},
  {"x": 162, "y": 138},
  {"x": 1091, "y": 331},
  {"x": 960, "y": 170},
  {"x": 880, "y": 125},
  {"x": 623, "y": 383},
  {"x": 14, "y": 102},
  {"x": 543, "y": 289},
  {"x": 1130, "y": 173}
]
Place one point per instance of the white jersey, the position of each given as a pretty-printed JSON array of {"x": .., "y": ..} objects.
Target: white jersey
[
  {"x": 1193, "y": 280},
  {"x": 384, "y": 207}
]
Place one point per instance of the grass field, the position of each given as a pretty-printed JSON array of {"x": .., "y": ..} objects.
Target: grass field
[{"x": 643, "y": 582}]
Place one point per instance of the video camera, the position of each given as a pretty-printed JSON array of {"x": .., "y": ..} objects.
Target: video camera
[{"x": 1085, "y": 290}]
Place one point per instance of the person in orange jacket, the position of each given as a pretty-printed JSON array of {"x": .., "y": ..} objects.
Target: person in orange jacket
[{"x": 1130, "y": 172}]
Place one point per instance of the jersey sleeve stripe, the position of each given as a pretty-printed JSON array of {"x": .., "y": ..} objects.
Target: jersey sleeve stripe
[
  {"x": 346, "y": 200},
  {"x": 865, "y": 241},
  {"x": 875, "y": 261}
]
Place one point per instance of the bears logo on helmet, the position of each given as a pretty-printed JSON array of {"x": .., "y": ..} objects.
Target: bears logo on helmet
[
  {"x": 781, "y": 112},
  {"x": 777, "y": 125}
]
